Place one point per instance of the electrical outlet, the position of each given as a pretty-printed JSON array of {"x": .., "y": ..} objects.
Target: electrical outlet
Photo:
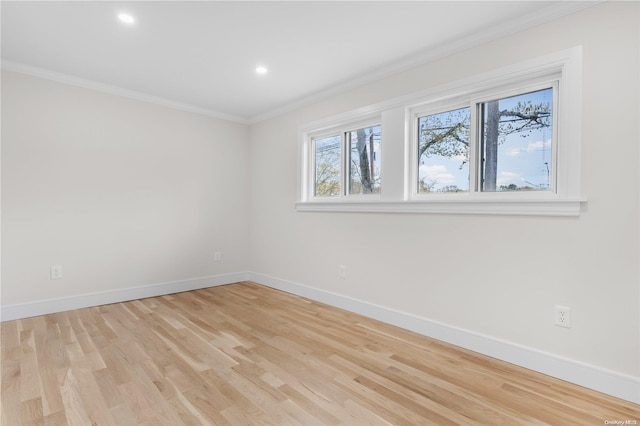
[
  {"x": 342, "y": 272},
  {"x": 563, "y": 316},
  {"x": 56, "y": 272},
  {"x": 217, "y": 257}
]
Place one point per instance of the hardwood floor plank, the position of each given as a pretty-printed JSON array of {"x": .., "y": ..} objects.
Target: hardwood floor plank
[
  {"x": 433, "y": 409},
  {"x": 189, "y": 415},
  {"x": 124, "y": 415},
  {"x": 10, "y": 349},
  {"x": 55, "y": 419},
  {"x": 360, "y": 415},
  {"x": 10, "y": 393},
  {"x": 31, "y": 412},
  {"x": 210, "y": 406},
  {"x": 107, "y": 388},
  {"x": 52, "y": 362},
  {"x": 74, "y": 407},
  {"x": 29, "y": 378},
  {"x": 245, "y": 354}
]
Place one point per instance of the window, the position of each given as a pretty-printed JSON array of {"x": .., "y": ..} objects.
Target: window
[
  {"x": 503, "y": 142},
  {"x": 443, "y": 151},
  {"x": 364, "y": 160},
  {"x": 347, "y": 163},
  {"x": 328, "y": 153},
  {"x": 510, "y": 143},
  {"x": 516, "y": 141}
]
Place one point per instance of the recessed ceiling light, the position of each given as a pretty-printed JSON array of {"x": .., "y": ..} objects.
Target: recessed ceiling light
[
  {"x": 261, "y": 70},
  {"x": 126, "y": 18}
]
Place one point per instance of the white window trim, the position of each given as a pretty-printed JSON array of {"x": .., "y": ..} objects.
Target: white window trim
[{"x": 398, "y": 194}]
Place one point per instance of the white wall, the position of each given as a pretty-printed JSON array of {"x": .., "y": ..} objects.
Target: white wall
[
  {"x": 493, "y": 276},
  {"x": 119, "y": 192},
  {"x": 125, "y": 194}
]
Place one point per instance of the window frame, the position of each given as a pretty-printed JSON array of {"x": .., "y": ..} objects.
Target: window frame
[
  {"x": 341, "y": 130},
  {"x": 399, "y": 162},
  {"x": 313, "y": 164},
  {"x": 414, "y": 113},
  {"x": 475, "y": 147}
]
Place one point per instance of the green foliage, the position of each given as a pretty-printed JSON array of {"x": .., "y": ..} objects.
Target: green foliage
[
  {"x": 430, "y": 187},
  {"x": 514, "y": 187}
]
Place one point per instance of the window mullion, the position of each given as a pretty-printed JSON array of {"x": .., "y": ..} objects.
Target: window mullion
[
  {"x": 346, "y": 143},
  {"x": 553, "y": 171},
  {"x": 309, "y": 181},
  {"x": 475, "y": 155}
]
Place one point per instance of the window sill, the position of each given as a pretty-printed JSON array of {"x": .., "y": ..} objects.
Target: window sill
[{"x": 532, "y": 207}]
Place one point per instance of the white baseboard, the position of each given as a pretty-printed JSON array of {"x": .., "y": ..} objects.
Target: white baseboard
[
  {"x": 50, "y": 306},
  {"x": 590, "y": 376},
  {"x": 610, "y": 382}
]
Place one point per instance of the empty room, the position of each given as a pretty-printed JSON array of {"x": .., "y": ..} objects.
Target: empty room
[{"x": 320, "y": 213}]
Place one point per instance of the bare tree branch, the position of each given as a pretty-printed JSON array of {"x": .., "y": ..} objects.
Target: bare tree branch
[{"x": 451, "y": 133}]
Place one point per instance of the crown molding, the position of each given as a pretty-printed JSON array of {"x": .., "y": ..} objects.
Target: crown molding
[
  {"x": 544, "y": 15},
  {"x": 115, "y": 90}
]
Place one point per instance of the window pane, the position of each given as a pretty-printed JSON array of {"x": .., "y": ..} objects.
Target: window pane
[
  {"x": 364, "y": 161},
  {"x": 516, "y": 142},
  {"x": 327, "y": 166},
  {"x": 443, "y": 151}
]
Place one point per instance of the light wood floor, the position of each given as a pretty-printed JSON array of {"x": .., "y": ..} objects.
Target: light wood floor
[{"x": 244, "y": 354}]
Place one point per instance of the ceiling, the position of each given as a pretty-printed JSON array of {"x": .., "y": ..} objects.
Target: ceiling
[{"x": 202, "y": 55}]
